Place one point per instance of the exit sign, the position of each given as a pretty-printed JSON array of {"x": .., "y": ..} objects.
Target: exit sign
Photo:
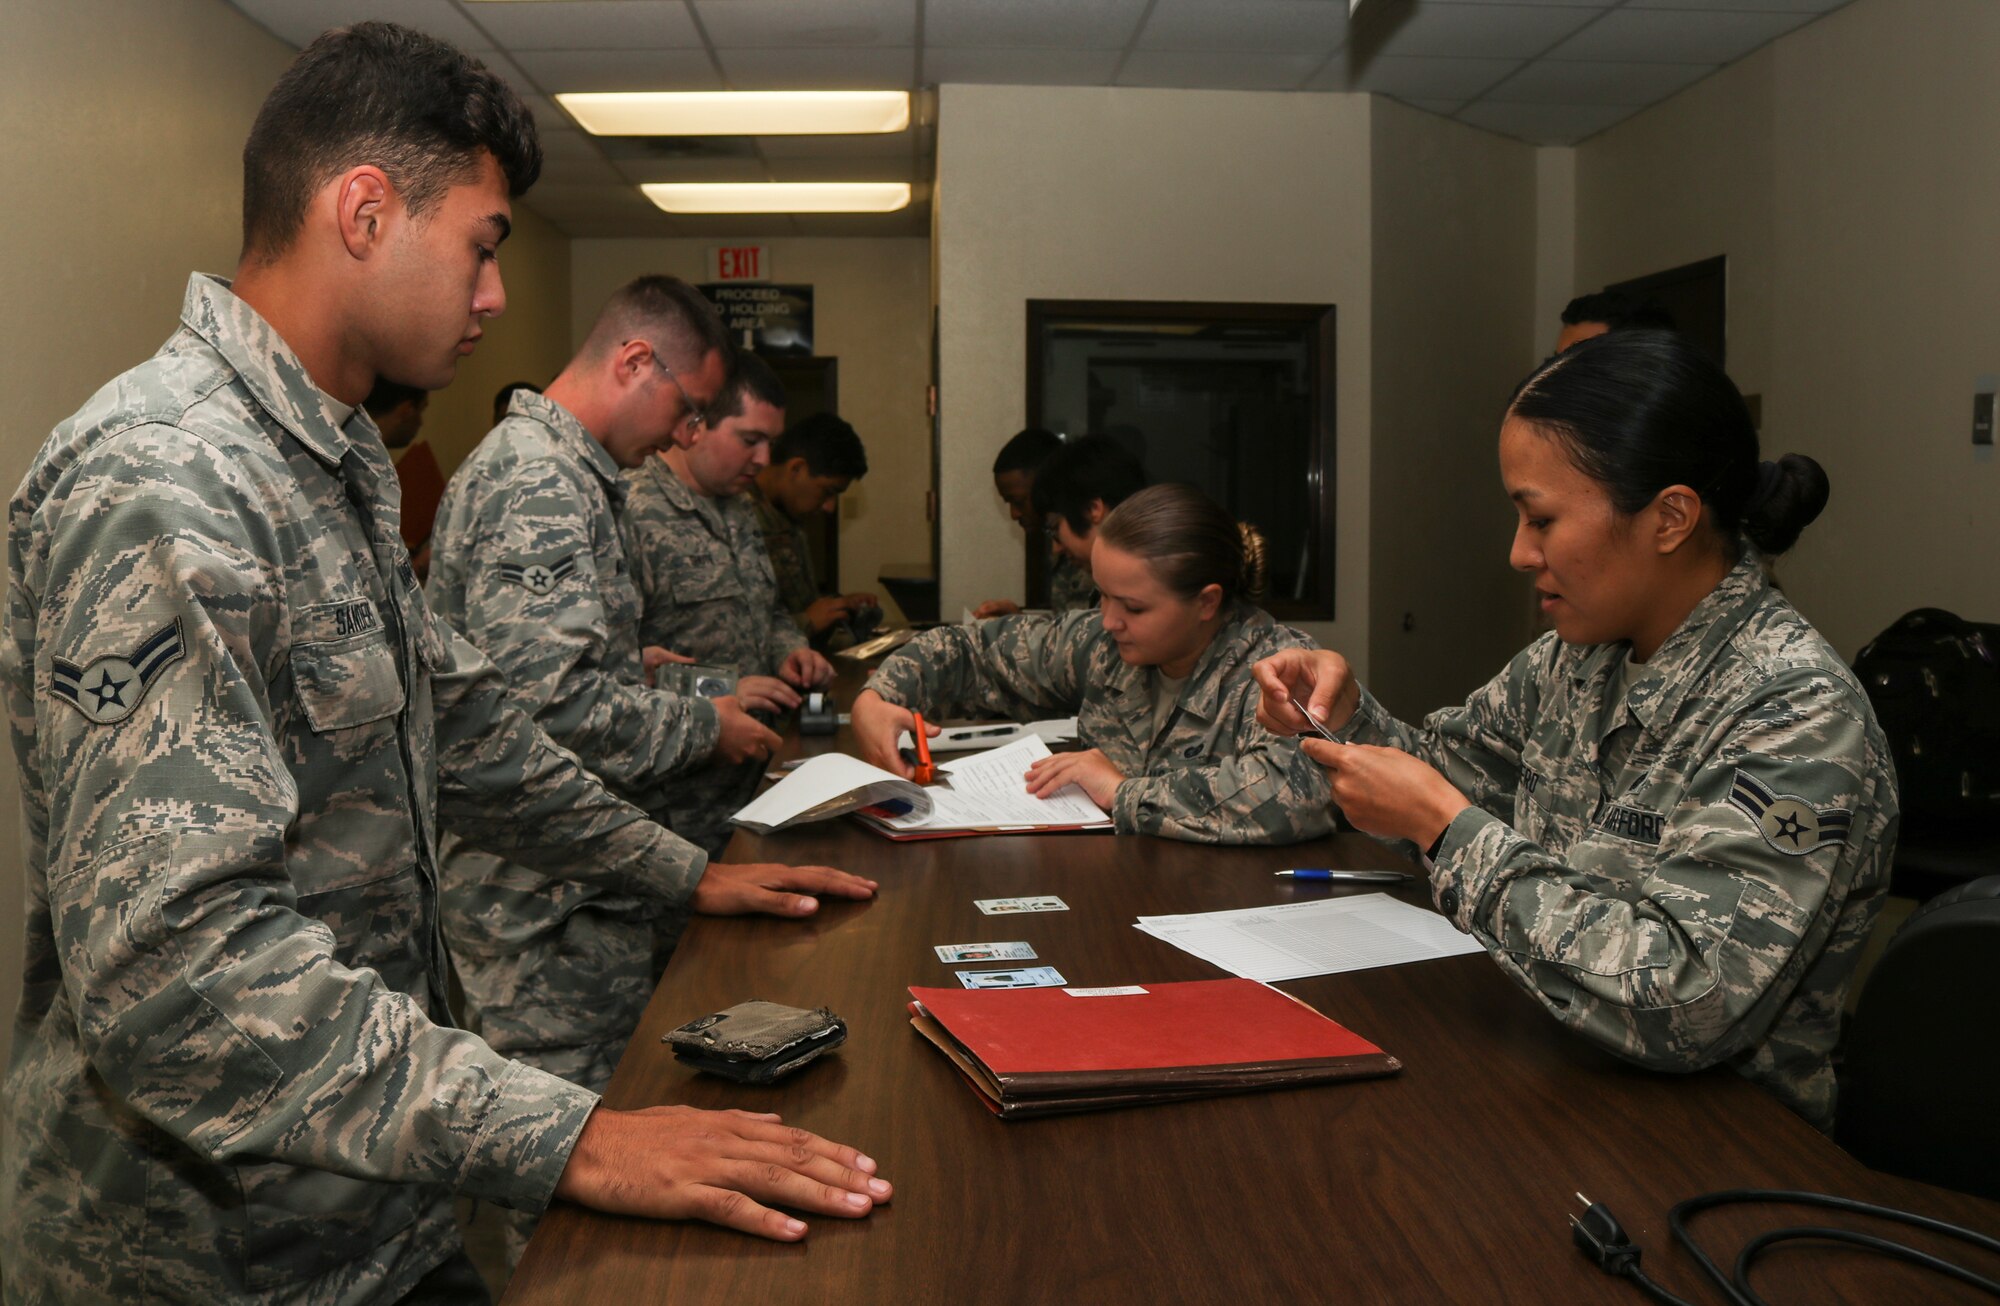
[{"x": 739, "y": 262}]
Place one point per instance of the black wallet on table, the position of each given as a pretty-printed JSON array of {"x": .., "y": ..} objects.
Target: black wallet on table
[{"x": 756, "y": 1042}]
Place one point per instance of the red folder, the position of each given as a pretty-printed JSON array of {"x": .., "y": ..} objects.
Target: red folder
[{"x": 1042, "y": 1051}]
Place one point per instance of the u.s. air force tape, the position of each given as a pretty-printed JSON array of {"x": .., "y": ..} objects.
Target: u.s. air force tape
[
  {"x": 539, "y": 577},
  {"x": 1789, "y": 823},
  {"x": 111, "y": 688}
]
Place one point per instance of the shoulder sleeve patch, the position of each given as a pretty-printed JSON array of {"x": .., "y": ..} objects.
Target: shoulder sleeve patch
[
  {"x": 110, "y": 688},
  {"x": 539, "y": 577},
  {"x": 1789, "y": 823}
]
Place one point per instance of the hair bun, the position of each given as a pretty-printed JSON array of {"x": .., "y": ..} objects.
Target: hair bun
[
  {"x": 1256, "y": 578},
  {"x": 1788, "y": 495}
]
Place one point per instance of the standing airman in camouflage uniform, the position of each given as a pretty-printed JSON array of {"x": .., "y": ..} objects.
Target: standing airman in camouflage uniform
[
  {"x": 1186, "y": 757},
  {"x": 811, "y": 466},
  {"x": 530, "y": 566},
  {"x": 705, "y": 585},
  {"x": 240, "y": 733},
  {"x": 1672, "y": 826},
  {"x": 1070, "y": 587}
]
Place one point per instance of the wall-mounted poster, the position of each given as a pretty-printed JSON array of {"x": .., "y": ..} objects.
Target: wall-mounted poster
[{"x": 768, "y": 319}]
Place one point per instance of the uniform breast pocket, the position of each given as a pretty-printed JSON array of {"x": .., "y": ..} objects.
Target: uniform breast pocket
[{"x": 350, "y": 679}]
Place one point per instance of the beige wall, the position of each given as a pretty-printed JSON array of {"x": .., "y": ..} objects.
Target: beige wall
[
  {"x": 1094, "y": 193},
  {"x": 871, "y": 310},
  {"x": 1454, "y": 285},
  {"x": 1844, "y": 172},
  {"x": 125, "y": 126}
]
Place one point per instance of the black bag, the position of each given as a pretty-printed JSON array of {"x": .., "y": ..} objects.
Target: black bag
[{"x": 1934, "y": 679}]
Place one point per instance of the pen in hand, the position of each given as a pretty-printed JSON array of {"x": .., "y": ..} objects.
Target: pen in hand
[{"x": 1311, "y": 720}]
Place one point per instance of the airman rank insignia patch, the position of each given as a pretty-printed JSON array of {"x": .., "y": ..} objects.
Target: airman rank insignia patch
[
  {"x": 111, "y": 688},
  {"x": 1789, "y": 823},
  {"x": 539, "y": 577}
]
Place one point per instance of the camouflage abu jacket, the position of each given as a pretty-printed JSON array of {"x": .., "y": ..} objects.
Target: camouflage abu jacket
[
  {"x": 239, "y": 731},
  {"x": 1212, "y": 775},
  {"x": 1689, "y": 884},
  {"x": 785, "y": 542},
  {"x": 1070, "y": 587}
]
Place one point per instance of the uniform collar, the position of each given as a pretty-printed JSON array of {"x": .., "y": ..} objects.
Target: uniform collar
[
  {"x": 571, "y": 434},
  {"x": 1202, "y": 695},
  {"x": 269, "y": 369},
  {"x": 1668, "y": 677}
]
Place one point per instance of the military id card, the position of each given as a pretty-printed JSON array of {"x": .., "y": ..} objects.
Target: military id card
[
  {"x": 1027, "y": 977},
  {"x": 1009, "y": 906},
  {"x": 984, "y": 952}
]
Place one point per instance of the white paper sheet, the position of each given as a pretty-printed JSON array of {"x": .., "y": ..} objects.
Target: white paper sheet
[
  {"x": 990, "y": 789},
  {"x": 1324, "y": 937},
  {"x": 825, "y": 786}
]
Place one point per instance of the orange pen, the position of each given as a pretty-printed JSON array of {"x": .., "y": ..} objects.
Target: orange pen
[{"x": 925, "y": 772}]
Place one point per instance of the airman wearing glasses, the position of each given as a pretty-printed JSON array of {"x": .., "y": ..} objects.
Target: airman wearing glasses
[{"x": 530, "y": 565}]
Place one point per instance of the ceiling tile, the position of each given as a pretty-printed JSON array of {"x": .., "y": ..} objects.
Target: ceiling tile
[
  {"x": 1056, "y": 24},
  {"x": 873, "y": 145},
  {"x": 913, "y": 221},
  {"x": 638, "y": 171},
  {"x": 1566, "y": 4},
  {"x": 556, "y": 71},
  {"x": 1021, "y": 67},
  {"x": 1676, "y": 36},
  {"x": 1333, "y": 75},
  {"x": 1557, "y": 81},
  {"x": 1483, "y": 31},
  {"x": 564, "y": 143},
  {"x": 580, "y": 170},
  {"x": 589, "y": 24},
  {"x": 1219, "y": 70},
  {"x": 299, "y": 21},
  {"x": 557, "y": 202},
  {"x": 843, "y": 170},
  {"x": 809, "y": 22},
  {"x": 1544, "y": 124},
  {"x": 1436, "y": 79},
  {"x": 1446, "y": 108},
  {"x": 818, "y": 70},
  {"x": 548, "y": 116},
  {"x": 1244, "y": 25}
]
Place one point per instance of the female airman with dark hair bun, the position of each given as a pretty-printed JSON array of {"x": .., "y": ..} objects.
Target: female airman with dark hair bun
[
  {"x": 1158, "y": 677},
  {"x": 1671, "y": 819}
]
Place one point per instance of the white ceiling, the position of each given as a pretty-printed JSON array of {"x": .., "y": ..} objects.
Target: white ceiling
[{"x": 1553, "y": 72}]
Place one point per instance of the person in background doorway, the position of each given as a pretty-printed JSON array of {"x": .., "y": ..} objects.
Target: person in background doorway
[
  {"x": 1592, "y": 315},
  {"x": 1014, "y": 481},
  {"x": 1076, "y": 487},
  {"x": 398, "y": 411}
]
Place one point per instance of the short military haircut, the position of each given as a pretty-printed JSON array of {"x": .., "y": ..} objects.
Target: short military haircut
[
  {"x": 665, "y": 312},
  {"x": 1082, "y": 472},
  {"x": 1619, "y": 311},
  {"x": 388, "y": 395},
  {"x": 381, "y": 94},
  {"x": 751, "y": 378},
  {"x": 829, "y": 446},
  {"x": 1025, "y": 451}
]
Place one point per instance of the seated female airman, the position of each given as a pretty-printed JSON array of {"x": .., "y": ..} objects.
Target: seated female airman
[
  {"x": 1158, "y": 679},
  {"x": 1671, "y": 819}
]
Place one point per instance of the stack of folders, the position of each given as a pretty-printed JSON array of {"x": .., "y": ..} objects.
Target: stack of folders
[{"x": 1039, "y": 1052}]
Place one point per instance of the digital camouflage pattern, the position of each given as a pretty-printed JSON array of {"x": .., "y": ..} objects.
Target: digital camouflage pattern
[
  {"x": 527, "y": 562},
  {"x": 1211, "y": 775},
  {"x": 1690, "y": 882},
  {"x": 707, "y": 590},
  {"x": 785, "y": 543},
  {"x": 231, "y": 1077},
  {"x": 1070, "y": 587}
]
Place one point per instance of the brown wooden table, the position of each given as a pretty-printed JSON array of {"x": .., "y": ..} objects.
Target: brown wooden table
[{"x": 1452, "y": 1182}]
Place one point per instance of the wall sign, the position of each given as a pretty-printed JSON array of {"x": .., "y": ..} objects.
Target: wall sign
[
  {"x": 739, "y": 263},
  {"x": 768, "y": 319}
]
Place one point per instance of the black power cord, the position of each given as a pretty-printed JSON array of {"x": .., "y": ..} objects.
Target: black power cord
[{"x": 1604, "y": 1242}]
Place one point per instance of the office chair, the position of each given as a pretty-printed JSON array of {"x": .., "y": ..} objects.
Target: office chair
[{"x": 1920, "y": 1079}]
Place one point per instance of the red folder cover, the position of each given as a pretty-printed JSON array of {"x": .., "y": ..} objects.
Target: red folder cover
[{"x": 1035, "y": 1051}]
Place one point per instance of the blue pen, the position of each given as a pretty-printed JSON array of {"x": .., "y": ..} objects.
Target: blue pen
[{"x": 1346, "y": 877}]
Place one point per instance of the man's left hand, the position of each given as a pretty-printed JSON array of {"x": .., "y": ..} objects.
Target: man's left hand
[
  {"x": 740, "y": 889},
  {"x": 806, "y": 669}
]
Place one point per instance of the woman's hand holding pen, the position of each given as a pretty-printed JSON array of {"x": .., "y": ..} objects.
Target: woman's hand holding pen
[
  {"x": 1387, "y": 792},
  {"x": 1319, "y": 678},
  {"x": 876, "y": 723}
]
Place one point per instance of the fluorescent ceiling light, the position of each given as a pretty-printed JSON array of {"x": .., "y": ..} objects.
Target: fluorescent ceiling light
[
  {"x": 737, "y": 113},
  {"x": 779, "y": 196}
]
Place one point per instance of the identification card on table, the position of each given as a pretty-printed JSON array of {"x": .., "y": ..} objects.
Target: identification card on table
[
  {"x": 1009, "y": 906},
  {"x": 985, "y": 952},
  {"x": 1028, "y": 977}
]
